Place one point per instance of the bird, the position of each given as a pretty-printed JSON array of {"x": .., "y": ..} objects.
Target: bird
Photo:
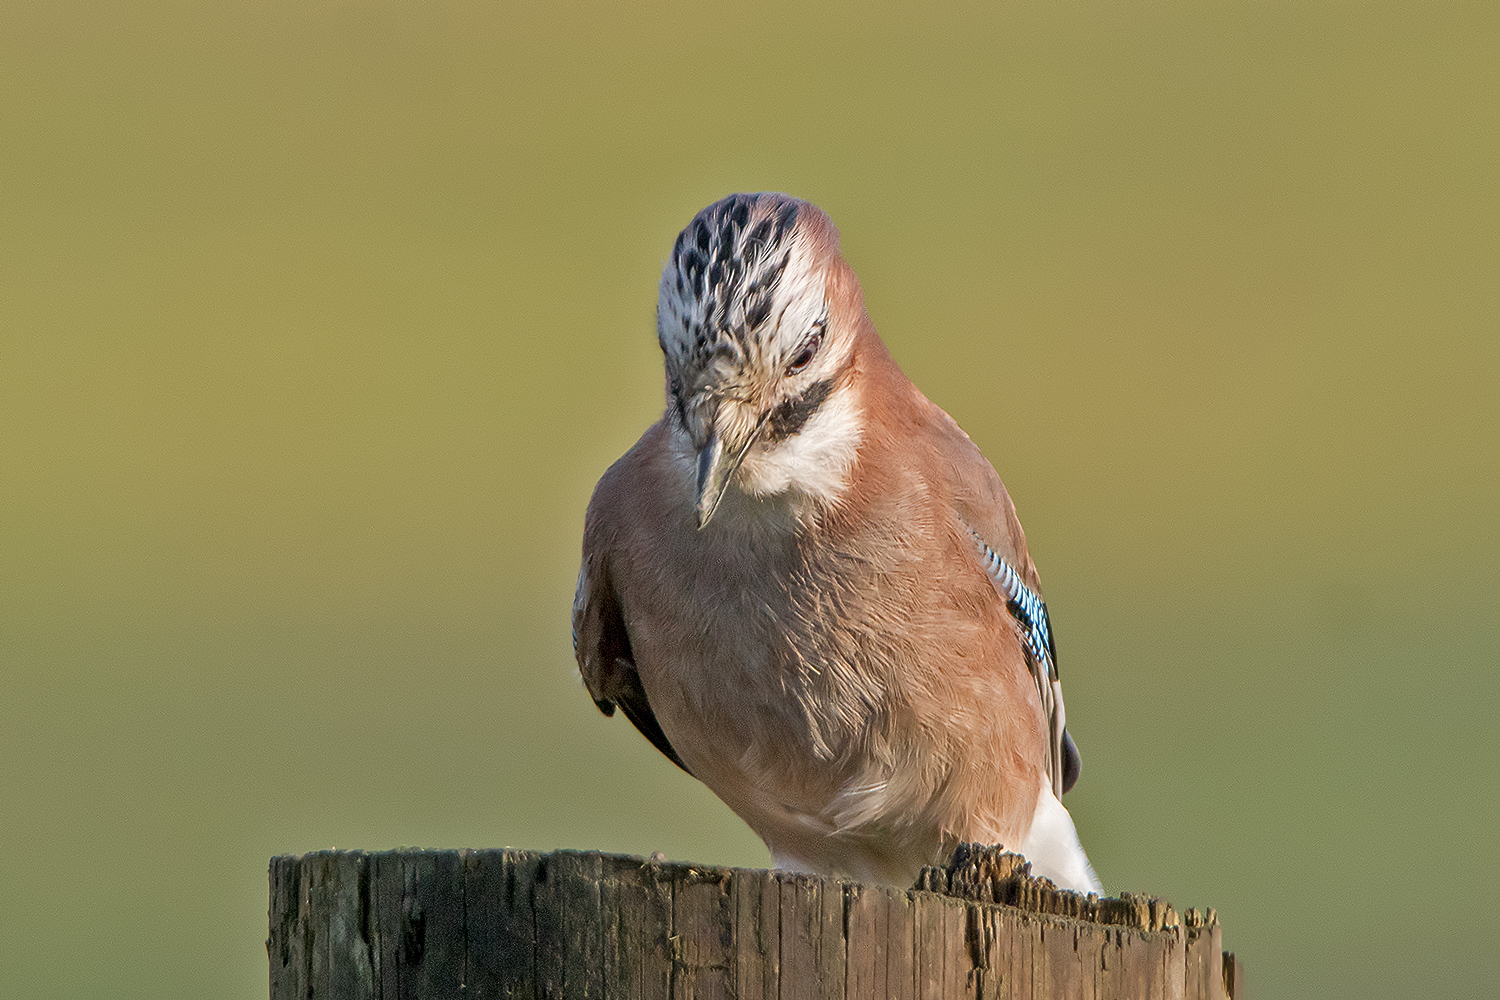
[{"x": 808, "y": 588}]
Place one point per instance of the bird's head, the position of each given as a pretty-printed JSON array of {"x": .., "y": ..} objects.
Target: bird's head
[{"x": 758, "y": 317}]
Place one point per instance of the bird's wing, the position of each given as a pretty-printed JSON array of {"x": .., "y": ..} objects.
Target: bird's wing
[
  {"x": 984, "y": 506},
  {"x": 1030, "y": 613},
  {"x": 601, "y": 644}
]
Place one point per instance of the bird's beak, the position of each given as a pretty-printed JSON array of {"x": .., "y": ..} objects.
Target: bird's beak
[{"x": 716, "y": 465}]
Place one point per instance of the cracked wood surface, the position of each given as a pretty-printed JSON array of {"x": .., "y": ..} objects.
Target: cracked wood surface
[{"x": 419, "y": 925}]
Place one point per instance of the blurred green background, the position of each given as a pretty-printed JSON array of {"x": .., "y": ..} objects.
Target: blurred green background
[{"x": 318, "y": 322}]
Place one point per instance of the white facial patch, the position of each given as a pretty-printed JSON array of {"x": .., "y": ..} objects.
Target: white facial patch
[{"x": 818, "y": 460}]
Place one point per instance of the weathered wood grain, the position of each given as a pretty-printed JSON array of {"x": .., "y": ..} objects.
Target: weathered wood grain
[
  {"x": 756, "y": 898},
  {"x": 1234, "y": 977},
  {"x": 419, "y": 925}
]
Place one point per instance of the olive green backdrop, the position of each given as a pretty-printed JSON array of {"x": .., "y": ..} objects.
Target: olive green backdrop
[{"x": 319, "y": 320}]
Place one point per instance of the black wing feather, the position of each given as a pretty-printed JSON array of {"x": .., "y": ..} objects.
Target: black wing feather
[
  {"x": 601, "y": 643},
  {"x": 631, "y": 697}
]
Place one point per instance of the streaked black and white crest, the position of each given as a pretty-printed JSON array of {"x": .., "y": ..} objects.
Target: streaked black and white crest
[{"x": 738, "y": 274}]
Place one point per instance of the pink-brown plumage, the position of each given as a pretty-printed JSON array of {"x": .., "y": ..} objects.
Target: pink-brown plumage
[{"x": 827, "y": 651}]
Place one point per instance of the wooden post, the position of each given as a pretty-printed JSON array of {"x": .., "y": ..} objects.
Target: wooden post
[{"x": 423, "y": 925}]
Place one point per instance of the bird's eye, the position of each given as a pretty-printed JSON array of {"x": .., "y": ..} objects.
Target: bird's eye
[{"x": 809, "y": 350}]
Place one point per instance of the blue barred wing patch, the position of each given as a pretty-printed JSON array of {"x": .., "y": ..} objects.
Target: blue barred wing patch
[
  {"x": 1035, "y": 632},
  {"x": 1029, "y": 610}
]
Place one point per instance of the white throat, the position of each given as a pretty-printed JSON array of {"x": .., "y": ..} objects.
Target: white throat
[
  {"x": 818, "y": 461},
  {"x": 816, "y": 464}
]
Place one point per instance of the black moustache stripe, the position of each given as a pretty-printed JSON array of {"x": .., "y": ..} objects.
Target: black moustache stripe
[{"x": 789, "y": 416}]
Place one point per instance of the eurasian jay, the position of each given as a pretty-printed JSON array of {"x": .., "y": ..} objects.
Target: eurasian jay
[{"x": 807, "y": 587}]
